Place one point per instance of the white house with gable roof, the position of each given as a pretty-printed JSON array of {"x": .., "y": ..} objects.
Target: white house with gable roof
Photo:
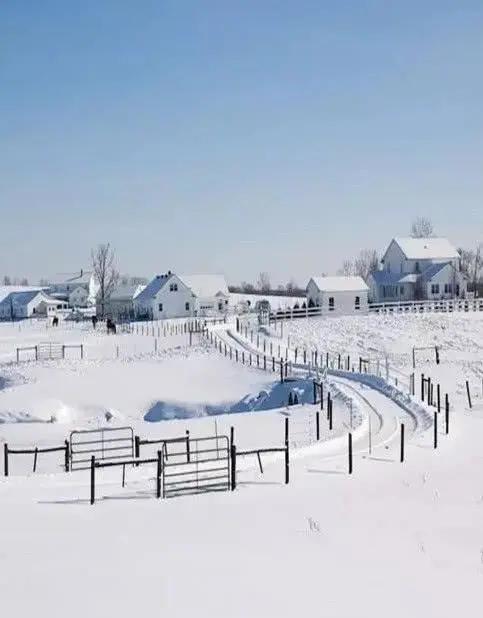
[
  {"x": 174, "y": 296},
  {"x": 338, "y": 295},
  {"x": 418, "y": 269},
  {"x": 78, "y": 289}
]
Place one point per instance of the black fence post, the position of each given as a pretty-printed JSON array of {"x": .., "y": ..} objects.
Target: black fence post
[
  {"x": 233, "y": 467},
  {"x": 438, "y": 397},
  {"x": 287, "y": 454},
  {"x": 317, "y": 424},
  {"x": 422, "y": 387},
  {"x": 315, "y": 392},
  {"x": 36, "y": 453},
  {"x": 435, "y": 421},
  {"x": 402, "y": 442},
  {"x": 468, "y": 393},
  {"x": 281, "y": 371},
  {"x": 67, "y": 455},
  {"x": 5, "y": 458},
  {"x": 350, "y": 454},
  {"x": 136, "y": 448},
  {"x": 328, "y": 404},
  {"x": 93, "y": 479},
  {"x": 158, "y": 476},
  {"x": 446, "y": 413}
]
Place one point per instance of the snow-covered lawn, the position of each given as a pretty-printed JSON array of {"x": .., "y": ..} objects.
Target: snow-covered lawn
[{"x": 391, "y": 540}]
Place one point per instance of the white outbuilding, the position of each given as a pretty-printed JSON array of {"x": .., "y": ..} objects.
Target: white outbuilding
[{"x": 338, "y": 295}]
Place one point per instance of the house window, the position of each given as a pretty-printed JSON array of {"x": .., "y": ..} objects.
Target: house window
[
  {"x": 435, "y": 288},
  {"x": 401, "y": 290},
  {"x": 331, "y": 303},
  {"x": 448, "y": 288},
  {"x": 220, "y": 306},
  {"x": 358, "y": 303},
  {"x": 416, "y": 267},
  {"x": 457, "y": 289},
  {"x": 187, "y": 306},
  {"x": 160, "y": 306},
  {"x": 173, "y": 287}
]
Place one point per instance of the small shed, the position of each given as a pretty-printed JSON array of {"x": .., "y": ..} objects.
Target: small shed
[{"x": 338, "y": 295}]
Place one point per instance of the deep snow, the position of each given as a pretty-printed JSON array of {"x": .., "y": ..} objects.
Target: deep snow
[{"x": 392, "y": 540}]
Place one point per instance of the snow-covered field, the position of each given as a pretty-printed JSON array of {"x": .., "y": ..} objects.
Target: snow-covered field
[{"x": 391, "y": 540}]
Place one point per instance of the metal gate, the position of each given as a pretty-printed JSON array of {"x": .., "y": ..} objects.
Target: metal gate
[
  {"x": 50, "y": 351},
  {"x": 109, "y": 443},
  {"x": 207, "y": 467}
]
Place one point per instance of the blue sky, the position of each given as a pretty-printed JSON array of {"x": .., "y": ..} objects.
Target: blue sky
[{"x": 235, "y": 136}]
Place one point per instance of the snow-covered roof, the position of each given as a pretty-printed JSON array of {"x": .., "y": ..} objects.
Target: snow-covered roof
[
  {"x": 206, "y": 286},
  {"x": 127, "y": 292},
  {"x": 426, "y": 248},
  {"x": 24, "y": 297},
  {"x": 6, "y": 290},
  {"x": 340, "y": 284}
]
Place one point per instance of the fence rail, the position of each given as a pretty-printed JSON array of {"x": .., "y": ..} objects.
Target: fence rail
[{"x": 35, "y": 451}]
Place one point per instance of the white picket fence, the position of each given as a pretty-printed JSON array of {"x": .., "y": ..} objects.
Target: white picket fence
[{"x": 428, "y": 306}]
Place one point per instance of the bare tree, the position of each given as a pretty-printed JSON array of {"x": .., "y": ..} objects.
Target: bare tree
[
  {"x": 467, "y": 257},
  {"x": 422, "y": 228},
  {"x": 44, "y": 282},
  {"x": 263, "y": 282},
  {"x": 7, "y": 280},
  {"x": 246, "y": 287},
  {"x": 103, "y": 265},
  {"x": 471, "y": 264},
  {"x": 24, "y": 281},
  {"x": 365, "y": 263}
]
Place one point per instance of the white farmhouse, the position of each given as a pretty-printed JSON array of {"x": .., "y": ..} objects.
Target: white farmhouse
[
  {"x": 338, "y": 295},
  {"x": 418, "y": 269},
  {"x": 29, "y": 303},
  {"x": 78, "y": 289},
  {"x": 174, "y": 296}
]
